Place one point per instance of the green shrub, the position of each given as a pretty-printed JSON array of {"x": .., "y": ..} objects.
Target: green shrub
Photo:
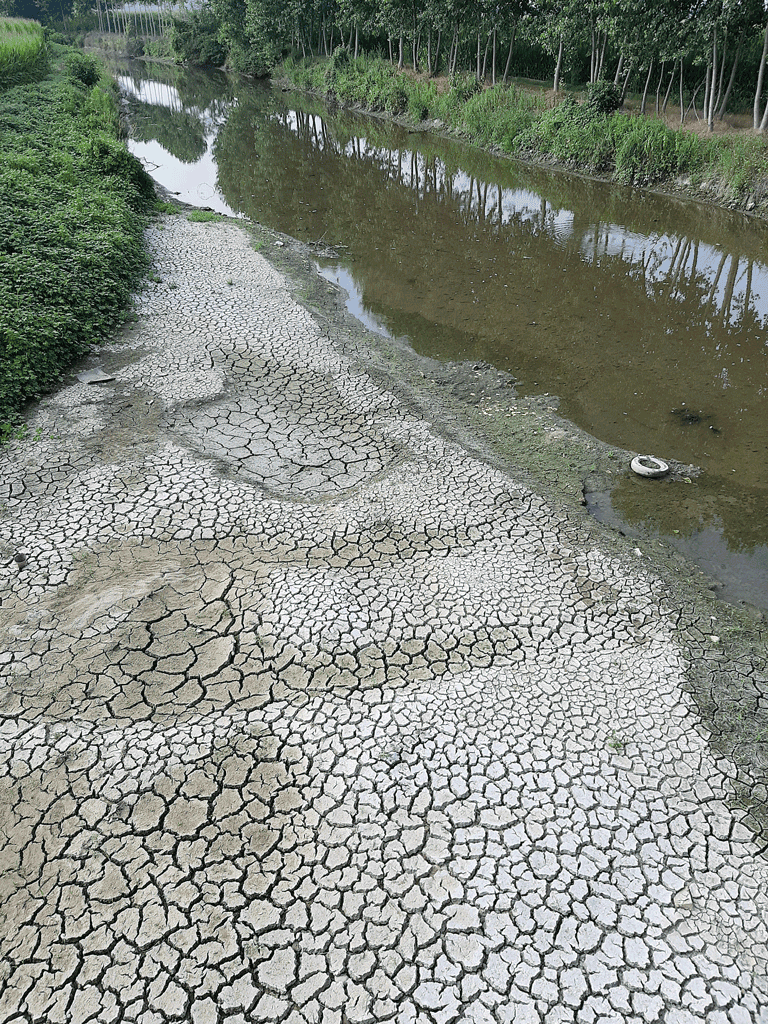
[
  {"x": 101, "y": 110},
  {"x": 83, "y": 68},
  {"x": 422, "y": 98},
  {"x": 603, "y": 97},
  {"x": 647, "y": 151},
  {"x": 195, "y": 40},
  {"x": 498, "y": 116},
  {"x": 463, "y": 88},
  {"x": 742, "y": 163}
]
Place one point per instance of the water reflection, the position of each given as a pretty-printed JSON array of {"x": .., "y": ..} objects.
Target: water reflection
[
  {"x": 647, "y": 316},
  {"x": 175, "y": 117}
]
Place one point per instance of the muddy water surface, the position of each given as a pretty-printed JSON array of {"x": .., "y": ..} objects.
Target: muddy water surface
[{"x": 646, "y": 316}]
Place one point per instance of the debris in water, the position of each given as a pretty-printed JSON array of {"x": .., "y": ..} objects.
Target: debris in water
[{"x": 649, "y": 465}]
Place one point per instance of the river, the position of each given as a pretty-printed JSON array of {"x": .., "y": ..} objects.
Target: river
[{"x": 646, "y": 316}]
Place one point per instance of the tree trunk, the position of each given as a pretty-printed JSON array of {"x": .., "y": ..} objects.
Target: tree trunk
[
  {"x": 722, "y": 73},
  {"x": 400, "y": 52},
  {"x": 669, "y": 90},
  {"x": 682, "y": 108},
  {"x": 602, "y": 56},
  {"x": 485, "y": 58},
  {"x": 645, "y": 90},
  {"x": 357, "y": 41},
  {"x": 436, "y": 63},
  {"x": 619, "y": 66},
  {"x": 477, "y": 68},
  {"x": 558, "y": 66},
  {"x": 493, "y": 59},
  {"x": 711, "y": 107},
  {"x": 732, "y": 79},
  {"x": 658, "y": 87},
  {"x": 429, "y": 51},
  {"x": 626, "y": 84},
  {"x": 509, "y": 55},
  {"x": 759, "y": 90},
  {"x": 693, "y": 100}
]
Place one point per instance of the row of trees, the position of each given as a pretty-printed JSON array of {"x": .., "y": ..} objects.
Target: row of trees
[{"x": 696, "y": 50}]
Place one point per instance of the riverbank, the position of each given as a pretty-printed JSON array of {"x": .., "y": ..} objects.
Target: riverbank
[
  {"x": 729, "y": 169},
  {"x": 73, "y": 205},
  {"x": 311, "y": 705}
]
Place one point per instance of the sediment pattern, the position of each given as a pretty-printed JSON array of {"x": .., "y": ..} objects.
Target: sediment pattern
[{"x": 308, "y": 716}]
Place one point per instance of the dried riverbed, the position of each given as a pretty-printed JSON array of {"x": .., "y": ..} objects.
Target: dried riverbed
[{"x": 324, "y": 699}]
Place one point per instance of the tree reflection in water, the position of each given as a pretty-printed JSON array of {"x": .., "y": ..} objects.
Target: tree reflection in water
[{"x": 626, "y": 305}]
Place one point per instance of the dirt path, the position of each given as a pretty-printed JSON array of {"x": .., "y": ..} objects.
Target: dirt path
[{"x": 309, "y": 715}]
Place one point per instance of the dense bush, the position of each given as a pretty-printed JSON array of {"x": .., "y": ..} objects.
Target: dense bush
[
  {"x": 83, "y": 68},
  {"x": 603, "y": 97},
  {"x": 194, "y": 40},
  {"x": 72, "y": 201}
]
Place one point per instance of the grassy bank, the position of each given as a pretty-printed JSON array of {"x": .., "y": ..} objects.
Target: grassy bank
[
  {"x": 23, "y": 52},
  {"x": 580, "y": 136},
  {"x": 72, "y": 201}
]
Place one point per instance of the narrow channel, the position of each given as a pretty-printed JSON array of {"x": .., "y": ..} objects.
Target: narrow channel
[{"x": 647, "y": 316}]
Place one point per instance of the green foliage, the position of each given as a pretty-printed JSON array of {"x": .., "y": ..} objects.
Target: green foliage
[
  {"x": 84, "y": 68},
  {"x": 497, "y": 116},
  {"x": 633, "y": 150},
  {"x": 134, "y": 43},
  {"x": 571, "y": 134},
  {"x": 603, "y": 97},
  {"x": 203, "y": 216},
  {"x": 463, "y": 88},
  {"x": 24, "y": 55},
  {"x": 72, "y": 205},
  {"x": 101, "y": 110},
  {"x": 422, "y": 100},
  {"x": 646, "y": 151},
  {"x": 742, "y": 163},
  {"x": 195, "y": 40}
]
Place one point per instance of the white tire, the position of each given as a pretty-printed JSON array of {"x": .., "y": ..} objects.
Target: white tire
[{"x": 647, "y": 465}]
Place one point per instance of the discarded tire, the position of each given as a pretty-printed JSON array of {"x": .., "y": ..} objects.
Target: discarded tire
[{"x": 647, "y": 465}]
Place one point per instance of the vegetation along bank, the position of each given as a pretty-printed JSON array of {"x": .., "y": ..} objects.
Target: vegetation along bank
[
  {"x": 467, "y": 68},
  {"x": 72, "y": 214}
]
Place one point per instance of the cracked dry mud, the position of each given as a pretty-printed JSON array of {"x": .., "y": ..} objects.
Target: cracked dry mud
[{"x": 309, "y": 716}]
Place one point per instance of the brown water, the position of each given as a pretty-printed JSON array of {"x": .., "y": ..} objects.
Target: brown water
[{"x": 646, "y": 316}]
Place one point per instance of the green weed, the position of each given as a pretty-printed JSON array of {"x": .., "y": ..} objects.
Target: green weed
[{"x": 203, "y": 216}]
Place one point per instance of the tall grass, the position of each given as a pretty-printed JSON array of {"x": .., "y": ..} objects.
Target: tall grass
[
  {"x": 23, "y": 52},
  {"x": 629, "y": 149}
]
